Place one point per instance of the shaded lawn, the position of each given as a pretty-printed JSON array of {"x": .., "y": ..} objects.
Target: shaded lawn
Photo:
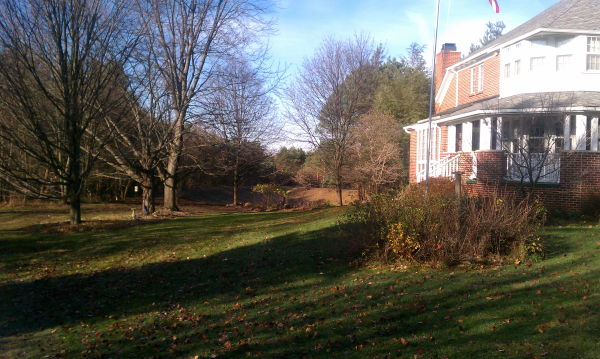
[{"x": 282, "y": 285}]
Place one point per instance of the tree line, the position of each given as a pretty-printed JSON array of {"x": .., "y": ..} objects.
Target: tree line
[{"x": 171, "y": 93}]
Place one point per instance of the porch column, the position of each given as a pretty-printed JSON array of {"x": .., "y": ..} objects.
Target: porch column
[
  {"x": 580, "y": 129},
  {"x": 499, "y": 133},
  {"x": 567, "y": 133},
  {"x": 467, "y": 136},
  {"x": 485, "y": 136},
  {"x": 451, "y": 139},
  {"x": 594, "y": 144}
]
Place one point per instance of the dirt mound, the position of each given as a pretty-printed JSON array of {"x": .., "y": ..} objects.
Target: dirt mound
[
  {"x": 320, "y": 195},
  {"x": 299, "y": 196}
]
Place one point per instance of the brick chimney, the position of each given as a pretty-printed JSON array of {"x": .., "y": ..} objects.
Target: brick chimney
[{"x": 444, "y": 59}]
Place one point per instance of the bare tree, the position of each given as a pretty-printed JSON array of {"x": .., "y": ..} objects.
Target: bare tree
[
  {"x": 61, "y": 63},
  {"x": 187, "y": 39},
  {"x": 532, "y": 134},
  {"x": 377, "y": 151},
  {"x": 242, "y": 115},
  {"x": 330, "y": 92}
]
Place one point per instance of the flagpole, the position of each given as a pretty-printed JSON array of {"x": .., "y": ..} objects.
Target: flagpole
[{"x": 431, "y": 97}]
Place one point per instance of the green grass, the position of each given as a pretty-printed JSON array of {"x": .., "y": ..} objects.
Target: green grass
[{"x": 282, "y": 285}]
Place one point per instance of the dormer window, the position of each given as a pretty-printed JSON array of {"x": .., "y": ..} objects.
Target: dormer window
[{"x": 593, "y": 53}]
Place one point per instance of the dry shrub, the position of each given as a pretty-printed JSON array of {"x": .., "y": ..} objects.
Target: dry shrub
[{"x": 445, "y": 230}]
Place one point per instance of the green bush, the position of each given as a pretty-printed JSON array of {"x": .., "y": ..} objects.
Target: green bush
[{"x": 403, "y": 226}]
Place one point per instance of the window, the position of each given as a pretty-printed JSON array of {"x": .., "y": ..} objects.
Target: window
[
  {"x": 473, "y": 80},
  {"x": 518, "y": 46},
  {"x": 506, "y": 71},
  {"x": 593, "y": 56},
  {"x": 480, "y": 77},
  {"x": 537, "y": 64},
  {"x": 563, "y": 62},
  {"x": 517, "y": 67},
  {"x": 476, "y": 135},
  {"x": 537, "y": 143},
  {"x": 458, "y": 142}
]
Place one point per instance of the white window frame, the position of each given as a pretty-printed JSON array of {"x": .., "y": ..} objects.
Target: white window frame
[
  {"x": 473, "y": 80},
  {"x": 538, "y": 68},
  {"x": 592, "y": 52},
  {"x": 564, "y": 65},
  {"x": 436, "y": 136},
  {"x": 507, "y": 70},
  {"x": 517, "y": 67},
  {"x": 480, "y": 82}
]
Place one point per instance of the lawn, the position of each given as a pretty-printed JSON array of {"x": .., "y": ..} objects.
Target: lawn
[{"x": 282, "y": 285}]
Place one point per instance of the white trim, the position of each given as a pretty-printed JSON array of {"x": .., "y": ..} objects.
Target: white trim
[
  {"x": 444, "y": 86},
  {"x": 457, "y": 77},
  {"x": 485, "y": 134},
  {"x": 467, "y": 137},
  {"x": 451, "y": 139},
  {"x": 521, "y": 38}
]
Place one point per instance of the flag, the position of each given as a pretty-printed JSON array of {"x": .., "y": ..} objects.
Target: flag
[{"x": 494, "y": 4}]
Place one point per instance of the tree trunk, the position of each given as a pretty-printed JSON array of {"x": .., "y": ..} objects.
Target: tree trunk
[
  {"x": 75, "y": 215},
  {"x": 173, "y": 164},
  {"x": 339, "y": 191},
  {"x": 236, "y": 186},
  {"x": 148, "y": 206},
  {"x": 170, "y": 199}
]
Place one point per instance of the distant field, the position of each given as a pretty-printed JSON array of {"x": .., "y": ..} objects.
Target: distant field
[{"x": 280, "y": 285}]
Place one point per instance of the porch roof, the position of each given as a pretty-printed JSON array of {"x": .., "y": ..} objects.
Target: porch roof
[{"x": 532, "y": 103}]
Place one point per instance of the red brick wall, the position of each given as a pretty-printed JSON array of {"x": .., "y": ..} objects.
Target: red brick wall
[
  {"x": 580, "y": 175},
  {"x": 444, "y": 59},
  {"x": 491, "y": 82},
  {"x": 449, "y": 100}
]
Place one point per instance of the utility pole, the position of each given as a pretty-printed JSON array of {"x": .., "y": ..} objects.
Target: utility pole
[{"x": 431, "y": 97}]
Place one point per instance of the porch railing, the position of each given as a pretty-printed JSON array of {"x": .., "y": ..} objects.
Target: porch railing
[
  {"x": 544, "y": 165},
  {"x": 442, "y": 168}
]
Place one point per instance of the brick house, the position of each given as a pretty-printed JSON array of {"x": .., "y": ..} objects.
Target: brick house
[{"x": 522, "y": 110}]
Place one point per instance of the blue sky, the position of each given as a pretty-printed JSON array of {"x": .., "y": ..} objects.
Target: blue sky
[{"x": 395, "y": 23}]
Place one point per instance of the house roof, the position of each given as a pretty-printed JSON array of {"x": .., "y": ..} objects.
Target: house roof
[
  {"x": 545, "y": 102},
  {"x": 565, "y": 15}
]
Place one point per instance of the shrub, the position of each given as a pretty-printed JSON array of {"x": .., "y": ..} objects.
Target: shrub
[{"x": 445, "y": 230}]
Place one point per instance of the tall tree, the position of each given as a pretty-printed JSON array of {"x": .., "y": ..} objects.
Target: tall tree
[
  {"x": 493, "y": 31},
  {"x": 330, "y": 92},
  {"x": 61, "y": 63},
  {"x": 403, "y": 92},
  {"x": 187, "y": 39},
  {"x": 242, "y": 114}
]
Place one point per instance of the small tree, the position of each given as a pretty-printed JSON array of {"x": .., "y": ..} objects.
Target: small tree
[{"x": 532, "y": 135}]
